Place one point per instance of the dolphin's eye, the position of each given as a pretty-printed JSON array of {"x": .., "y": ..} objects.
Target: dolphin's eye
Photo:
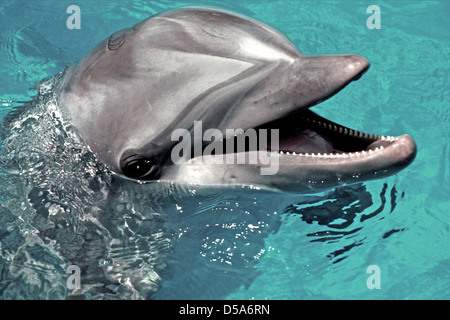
[{"x": 141, "y": 168}]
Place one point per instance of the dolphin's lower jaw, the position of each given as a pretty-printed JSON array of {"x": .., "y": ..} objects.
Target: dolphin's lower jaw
[{"x": 314, "y": 154}]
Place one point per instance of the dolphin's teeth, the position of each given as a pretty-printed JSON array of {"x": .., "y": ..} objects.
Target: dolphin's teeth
[{"x": 281, "y": 152}]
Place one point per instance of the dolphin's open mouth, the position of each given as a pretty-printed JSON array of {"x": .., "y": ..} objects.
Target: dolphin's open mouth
[
  {"x": 307, "y": 140},
  {"x": 308, "y": 134}
]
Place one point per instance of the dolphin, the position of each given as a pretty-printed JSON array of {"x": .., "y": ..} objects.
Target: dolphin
[{"x": 129, "y": 94}]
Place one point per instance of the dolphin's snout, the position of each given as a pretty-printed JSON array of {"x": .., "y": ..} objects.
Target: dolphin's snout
[
  {"x": 336, "y": 70},
  {"x": 324, "y": 75},
  {"x": 355, "y": 66}
]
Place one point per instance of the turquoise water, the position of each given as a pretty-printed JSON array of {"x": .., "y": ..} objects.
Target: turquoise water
[{"x": 286, "y": 246}]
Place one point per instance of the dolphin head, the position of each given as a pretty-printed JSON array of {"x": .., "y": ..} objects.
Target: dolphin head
[{"x": 192, "y": 65}]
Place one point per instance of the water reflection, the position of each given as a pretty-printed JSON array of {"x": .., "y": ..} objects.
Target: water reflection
[{"x": 342, "y": 212}]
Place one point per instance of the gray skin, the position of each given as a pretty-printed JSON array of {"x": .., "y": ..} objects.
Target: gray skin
[{"x": 130, "y": 93}]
